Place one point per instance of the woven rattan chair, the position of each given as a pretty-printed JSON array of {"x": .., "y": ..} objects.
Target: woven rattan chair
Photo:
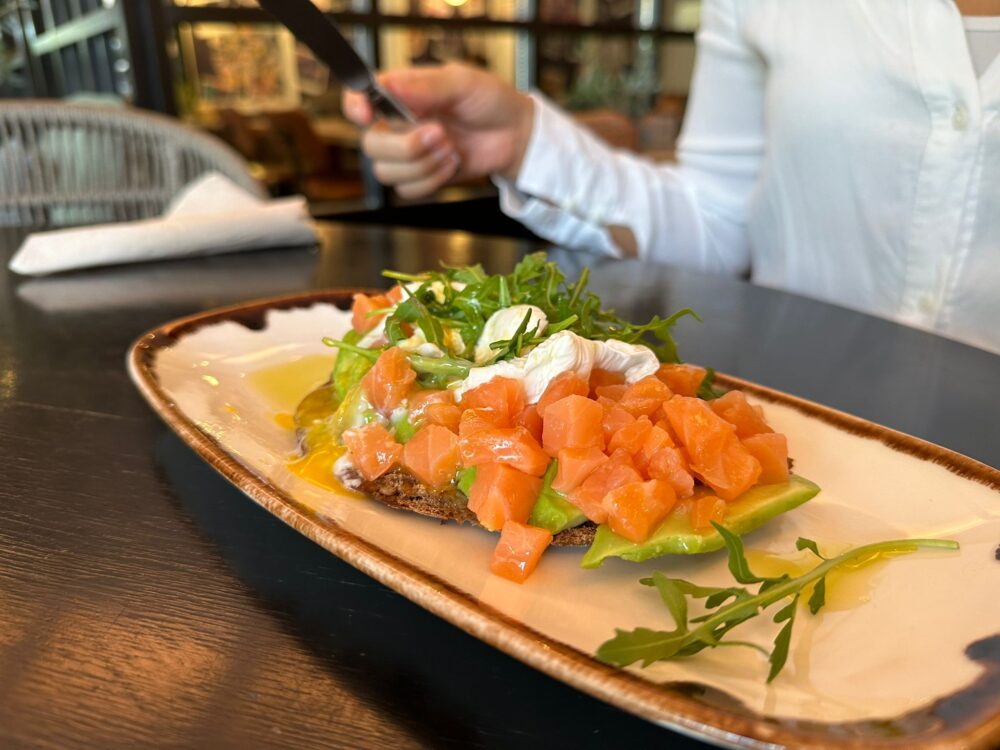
[{"x": 63, "y": 164}]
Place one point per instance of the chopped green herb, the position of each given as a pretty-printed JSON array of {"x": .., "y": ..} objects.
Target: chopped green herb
[
  {"x": 728, "y": 607},
  {"x": 437, "y": 305}
]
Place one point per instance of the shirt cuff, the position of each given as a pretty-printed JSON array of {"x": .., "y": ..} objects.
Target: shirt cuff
[{"x": 543, "y": 197}]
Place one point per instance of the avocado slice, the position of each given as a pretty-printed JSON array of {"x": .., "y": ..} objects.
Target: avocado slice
[
  {"x": 676, "y": 537},
  {"x": 552, "y": 511}
]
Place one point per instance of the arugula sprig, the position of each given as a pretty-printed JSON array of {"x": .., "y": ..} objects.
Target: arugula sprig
[
  {"x": 727, "y": 607},
  {"x": 437, "y": 305}
]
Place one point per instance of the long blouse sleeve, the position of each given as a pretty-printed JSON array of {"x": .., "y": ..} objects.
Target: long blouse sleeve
[{"x": 572, "y": 186}]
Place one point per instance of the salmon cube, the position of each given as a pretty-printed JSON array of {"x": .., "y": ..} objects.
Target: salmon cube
[
  {"x": 614, "y": 392},
  {"x": 362, "y": 319},
  {"x": 771, "y": 449},
  {"x": 446, "y": 415},
  {"x": 513, "y": 446},
  {"x": 501, "y": 493},
  {"x": 372, "y": 450},
  {"x": 615, "y": 417},
  {"x": 432, "y": 456},
  {"x": 562, "y": 385},
  {"x": 572, "y": 422},
  {"x": 654, "y": 439},
  {"x": 715, "y": 454},
  {"x": 520, "y": 548},
  {"x": 706, "y": 509},
  {"x": 645, "y": 397},
  {"x": 600, "y": 378},
  {"x": 575, "y": 465},
  {"x": 502, "y": 396},
  {"x": 530, "y": 420},
  {"x": 420, "y": 398},
  {"x": 477, "y": 420},
  {"x": 669, "y": 464},
  {"x": 636, "y": 509},
  {"x": 589, "y": 495},
  {"x": 389, "y": 380},
  {"x": 683, "y": 380},
  {"x": 734, "y": 408},
  {"x": 631, "y": 437}
]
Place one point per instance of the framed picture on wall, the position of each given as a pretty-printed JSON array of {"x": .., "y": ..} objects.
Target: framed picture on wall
[{"x": 245, "y": 67}]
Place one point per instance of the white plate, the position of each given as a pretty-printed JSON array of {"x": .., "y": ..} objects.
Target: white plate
[{"x": 887, "y": 667}]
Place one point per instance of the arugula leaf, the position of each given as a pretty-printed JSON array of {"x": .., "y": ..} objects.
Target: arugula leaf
[
  {"x": 534, "y": 281},
  {"x": 818, "y": 597},
  {"x": 783, "y": 640},
  {"x": 726, "y": 608},
  {"x": 738, "y": 564},
  {"x": 802, "y": 543}
]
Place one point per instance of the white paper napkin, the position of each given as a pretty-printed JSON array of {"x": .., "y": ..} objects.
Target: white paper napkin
[{"x": 210, "y": 216}]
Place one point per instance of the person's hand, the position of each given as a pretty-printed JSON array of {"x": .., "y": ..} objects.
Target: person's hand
[{"x": 471, "y": 124}]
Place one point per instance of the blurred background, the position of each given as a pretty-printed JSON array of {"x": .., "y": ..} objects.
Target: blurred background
[{"x": 622, "y": 67}]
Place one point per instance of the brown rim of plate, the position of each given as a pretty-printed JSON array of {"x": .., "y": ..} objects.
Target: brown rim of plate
[{"x": 968, "y": 718}]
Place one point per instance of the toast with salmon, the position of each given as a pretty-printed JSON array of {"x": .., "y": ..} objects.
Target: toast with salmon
[{"x": 516, "y": 403}]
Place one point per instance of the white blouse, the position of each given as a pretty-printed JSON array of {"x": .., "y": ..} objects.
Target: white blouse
[{"x": 842, "y": 150}]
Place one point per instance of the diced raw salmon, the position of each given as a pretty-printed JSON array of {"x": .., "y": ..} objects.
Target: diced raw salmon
[
  {"x": 389, "y": 380},
  {"x": 513, "y": 446},
  {"x": 572, "y": 422},
  {"x": 645, "y": 397},
  {"x": 396, "y": 294},
  {"x": 477, "y": 420},
  {"x": 615, "y": 417},
  {"x": 562, "y": 385},
  {"x": 771, "y": 449},
  {"x": 575, "y": 465},
  {"x": 519, "y": 550},
  {"x": 503, "y": 396},
  {"x": 530, "y": 420},
  {"x": 684, "y": 380},
  {"x": 715, "y": 453},
  {"x": 372, "y": 450},
  {"x": 636, "y": 509},
  {"x": 446, "y": 415},
  {"x": 432, "y": 455},
  {"x": 734, "y": 408},
  {"x": 668, "y": 463},
  {"x": 654, "y": 439},
  {"x": 589, "y": 495},
  {"x": 420, "y": 398},
  {"x": 600, "y": 378},
  {"x": 631, "y": 437},
  {"x": 501, "y": 493},
  {"x": 614, "y": 391},
  {"x": 706, "y": 509},
  {"x": 361, "y": 320}
]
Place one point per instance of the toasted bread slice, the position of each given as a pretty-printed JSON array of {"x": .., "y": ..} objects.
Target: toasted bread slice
[{"x": 399, "y": 489}]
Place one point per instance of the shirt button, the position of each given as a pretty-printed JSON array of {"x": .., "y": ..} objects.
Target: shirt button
[
  {"x": 927, "y": 303},
  {"x": 960, "y": 117}
]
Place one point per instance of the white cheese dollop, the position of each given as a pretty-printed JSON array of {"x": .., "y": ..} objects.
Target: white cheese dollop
[
  {"x": 503, "y": 324},
  {"x": 565, "y": 351}
]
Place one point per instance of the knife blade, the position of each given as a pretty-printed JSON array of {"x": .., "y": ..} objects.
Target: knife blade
[{"x": 311, "y": 26}]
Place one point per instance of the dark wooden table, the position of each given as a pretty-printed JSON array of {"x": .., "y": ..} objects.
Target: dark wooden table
[{"x": 145, "y": 602}]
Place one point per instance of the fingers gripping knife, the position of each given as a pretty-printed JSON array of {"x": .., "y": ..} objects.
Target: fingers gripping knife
[{"x": 311, "y": 27}]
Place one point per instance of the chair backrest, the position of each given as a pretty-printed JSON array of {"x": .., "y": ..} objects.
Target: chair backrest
[{"x": 64, "y": 164}]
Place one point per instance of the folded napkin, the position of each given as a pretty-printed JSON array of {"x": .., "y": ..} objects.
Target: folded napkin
[{"x": 212, "y": 215}]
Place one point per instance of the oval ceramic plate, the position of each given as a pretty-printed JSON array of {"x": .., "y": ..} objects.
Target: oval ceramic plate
[{"x": 907, "y": 654}]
